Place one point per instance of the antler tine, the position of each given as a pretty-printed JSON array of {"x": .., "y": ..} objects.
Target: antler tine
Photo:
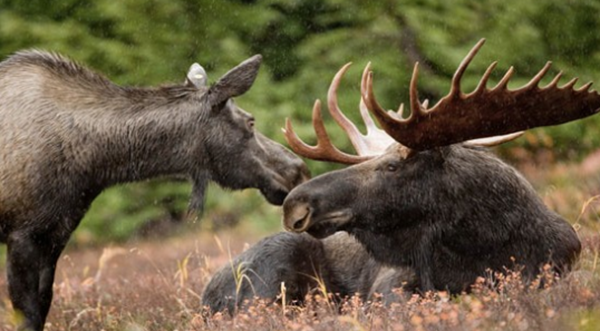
[
  {"x": 503, "y": 84},
  {"x": 484, "y": 79},
  {"x": 400, "y": 111},
  {"x": 570, "y": 84},
  {"x": 375, "y": 141},
  {"x": 397, "y": 128},
  {"x": 324, "y": 150},
  {"x": 356, "y": 138},
  {"x": 585, "y": 87},
  {"x": 494, "y": 141},
  {"x": 416, "y": 110},
  {"x": 364, "y": 112},
  {"x": 364, "y": 104},
  {"x": 455, "y": 87},
  {"x": 385, "y": 120},
  {"x": 555, "y": 80},
  {"x": 537, "y": 78}
]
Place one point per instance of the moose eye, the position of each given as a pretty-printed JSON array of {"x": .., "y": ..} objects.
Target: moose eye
[
  {"x": 392, "y": 167},
  {"x": 250, "y": 124}
]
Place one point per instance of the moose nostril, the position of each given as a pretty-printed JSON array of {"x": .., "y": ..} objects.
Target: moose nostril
[
  {"x": 300, "y": 224},
  {"x": 296, "y": 217}
]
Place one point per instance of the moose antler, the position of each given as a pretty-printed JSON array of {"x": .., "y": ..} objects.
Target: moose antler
[
  {"x": 459, "y": 117},
  {"x": 484, "y": 117},
  {"x": 367, "y": 146},
  {"x": 324, "y": 150}
]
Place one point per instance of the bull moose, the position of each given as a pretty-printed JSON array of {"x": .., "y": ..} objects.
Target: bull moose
[
  {"x": 67, "y": 133},
  {"x": 422, "y": 194}
]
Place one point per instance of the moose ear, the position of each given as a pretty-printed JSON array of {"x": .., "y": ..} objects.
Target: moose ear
[
  {"x": 196, "y": 76},
  {"x": 236, "y": 81}
]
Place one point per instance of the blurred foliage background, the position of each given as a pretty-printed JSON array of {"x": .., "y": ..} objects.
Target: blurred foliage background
[{"x": 141, "y": 42}]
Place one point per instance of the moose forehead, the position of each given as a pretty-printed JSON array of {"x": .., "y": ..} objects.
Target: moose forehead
[
  {"x": 394, "y": 155},
  {"x": 242, "y": 113},
  {"x": 236, "y": 113},
  {"x": 394, "y": 152},
  {"x": 398, "y": 150}
]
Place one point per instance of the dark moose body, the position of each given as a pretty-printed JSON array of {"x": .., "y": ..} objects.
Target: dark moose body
[
  {"x": 436, "y": 221},
  {"x": 451, "y": 214},
  {"x": 430, "y": 198},
  {"x": 67, "y": 133}
]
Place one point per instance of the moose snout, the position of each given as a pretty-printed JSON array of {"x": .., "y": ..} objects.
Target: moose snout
[
  {"x": 295, "y": 172},
  {"x": 296, "y": 217}
]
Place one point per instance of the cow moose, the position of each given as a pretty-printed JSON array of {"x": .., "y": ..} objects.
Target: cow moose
[
  {"x": 67, "y": 133},
  {"x": 303, "y": 264},
  {"x": 422, "y": 193}
]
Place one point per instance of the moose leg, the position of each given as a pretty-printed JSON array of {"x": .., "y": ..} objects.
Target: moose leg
[
  {"x": 423, "y": 267},
  {"x": 47, "y": 269},
  {"x": 23, "y": 263}
]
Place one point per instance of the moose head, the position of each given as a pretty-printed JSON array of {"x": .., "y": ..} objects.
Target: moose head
[{"x": 230, "y": 150}]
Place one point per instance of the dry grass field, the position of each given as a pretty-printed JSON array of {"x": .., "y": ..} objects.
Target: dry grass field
[{"x": 157, "y": 284}]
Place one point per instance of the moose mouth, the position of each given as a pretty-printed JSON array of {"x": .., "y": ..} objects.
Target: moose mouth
[
  {"x": 275, "y": 196},
  {"x": 275, "y": 191},
  {"x": 279, "y": 187},
  {"x": 322, "y": 230},
  {"x": 320, "y": 226},
  {"x": 329, "y": 224}
]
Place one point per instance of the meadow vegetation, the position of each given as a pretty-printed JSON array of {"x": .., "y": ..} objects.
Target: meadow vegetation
[{"x": 156, "y": 284}]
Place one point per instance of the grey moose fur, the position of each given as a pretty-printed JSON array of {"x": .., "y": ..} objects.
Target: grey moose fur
[
  {"x": 450, "y": 213},
  {"x": 67, "y": 133},
  {"x": 300, "y": 262}
]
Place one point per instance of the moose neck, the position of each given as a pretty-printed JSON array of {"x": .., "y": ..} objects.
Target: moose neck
[{"x": 138, "y": 135}]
